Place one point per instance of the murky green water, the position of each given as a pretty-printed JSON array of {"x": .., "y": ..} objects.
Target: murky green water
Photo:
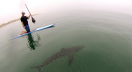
[{"x": 107, "y": 38}]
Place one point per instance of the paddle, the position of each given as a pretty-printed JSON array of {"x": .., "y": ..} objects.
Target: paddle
[{"x": 33, "y": 20}]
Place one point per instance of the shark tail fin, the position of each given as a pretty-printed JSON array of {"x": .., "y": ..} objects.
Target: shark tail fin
[{"x": 37, "y": 67}]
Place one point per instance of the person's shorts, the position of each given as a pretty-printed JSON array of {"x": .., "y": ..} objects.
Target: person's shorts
[{"x": 27, "y": 28}]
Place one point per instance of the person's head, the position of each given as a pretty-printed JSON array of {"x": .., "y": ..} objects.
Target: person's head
[{"x": 23, "y": 13}]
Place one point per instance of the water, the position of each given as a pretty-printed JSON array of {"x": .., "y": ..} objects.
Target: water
[{"x": 106, "y": 36}]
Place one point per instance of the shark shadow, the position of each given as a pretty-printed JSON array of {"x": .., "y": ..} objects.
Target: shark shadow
[{"x": 62, "y": 53}]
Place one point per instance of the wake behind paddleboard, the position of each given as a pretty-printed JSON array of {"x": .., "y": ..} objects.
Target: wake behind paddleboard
[{"x": 38, "y": 29}]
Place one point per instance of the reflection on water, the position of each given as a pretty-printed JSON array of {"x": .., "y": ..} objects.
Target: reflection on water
[
  {"x": 62, "y": 53},
  {"x": 32, "y": 44}
]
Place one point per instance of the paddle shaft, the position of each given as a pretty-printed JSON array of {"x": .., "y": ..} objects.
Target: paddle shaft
[
  {"x": 28, "y": 9},
  {"x": 33, "y": 20}
]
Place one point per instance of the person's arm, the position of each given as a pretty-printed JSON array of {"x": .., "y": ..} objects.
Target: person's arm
[
  {"x": 23, "y": 25},
  {"x": 29, "y": 16}
]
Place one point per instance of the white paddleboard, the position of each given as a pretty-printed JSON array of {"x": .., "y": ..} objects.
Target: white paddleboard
[{"x": 38, "y": 29}]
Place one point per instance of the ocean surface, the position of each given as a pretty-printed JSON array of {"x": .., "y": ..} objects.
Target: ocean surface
[{"x": 80, "y": 41}]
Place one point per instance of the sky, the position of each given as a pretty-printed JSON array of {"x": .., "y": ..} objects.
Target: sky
[{"x": 11, "y": 9}]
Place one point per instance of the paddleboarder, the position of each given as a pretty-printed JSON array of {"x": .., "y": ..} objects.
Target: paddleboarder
[{"x": 24, "y": 21}]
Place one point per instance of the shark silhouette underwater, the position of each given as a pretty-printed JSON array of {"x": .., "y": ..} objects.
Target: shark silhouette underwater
[{"x": 62, "y": 53}]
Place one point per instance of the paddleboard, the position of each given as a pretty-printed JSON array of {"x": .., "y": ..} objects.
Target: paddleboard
[{"x": 38, "y": 29}]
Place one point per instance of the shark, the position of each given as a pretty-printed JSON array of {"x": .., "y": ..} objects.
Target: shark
[{"x": 64, "y": 52}]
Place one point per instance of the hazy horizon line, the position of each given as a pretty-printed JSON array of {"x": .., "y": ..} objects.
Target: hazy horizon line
[{"x": 12, "y": 21}]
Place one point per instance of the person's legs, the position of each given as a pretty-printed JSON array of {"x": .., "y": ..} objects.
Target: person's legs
[
  {"x": 23, "y": 32},
  {"x": 27, "y": 28}
]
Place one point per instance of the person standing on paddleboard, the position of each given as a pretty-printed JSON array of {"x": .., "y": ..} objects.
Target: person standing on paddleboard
[{"x": 25, "y": 23}]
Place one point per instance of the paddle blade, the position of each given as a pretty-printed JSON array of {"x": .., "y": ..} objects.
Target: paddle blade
[{"x": 33, "y": 20}]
